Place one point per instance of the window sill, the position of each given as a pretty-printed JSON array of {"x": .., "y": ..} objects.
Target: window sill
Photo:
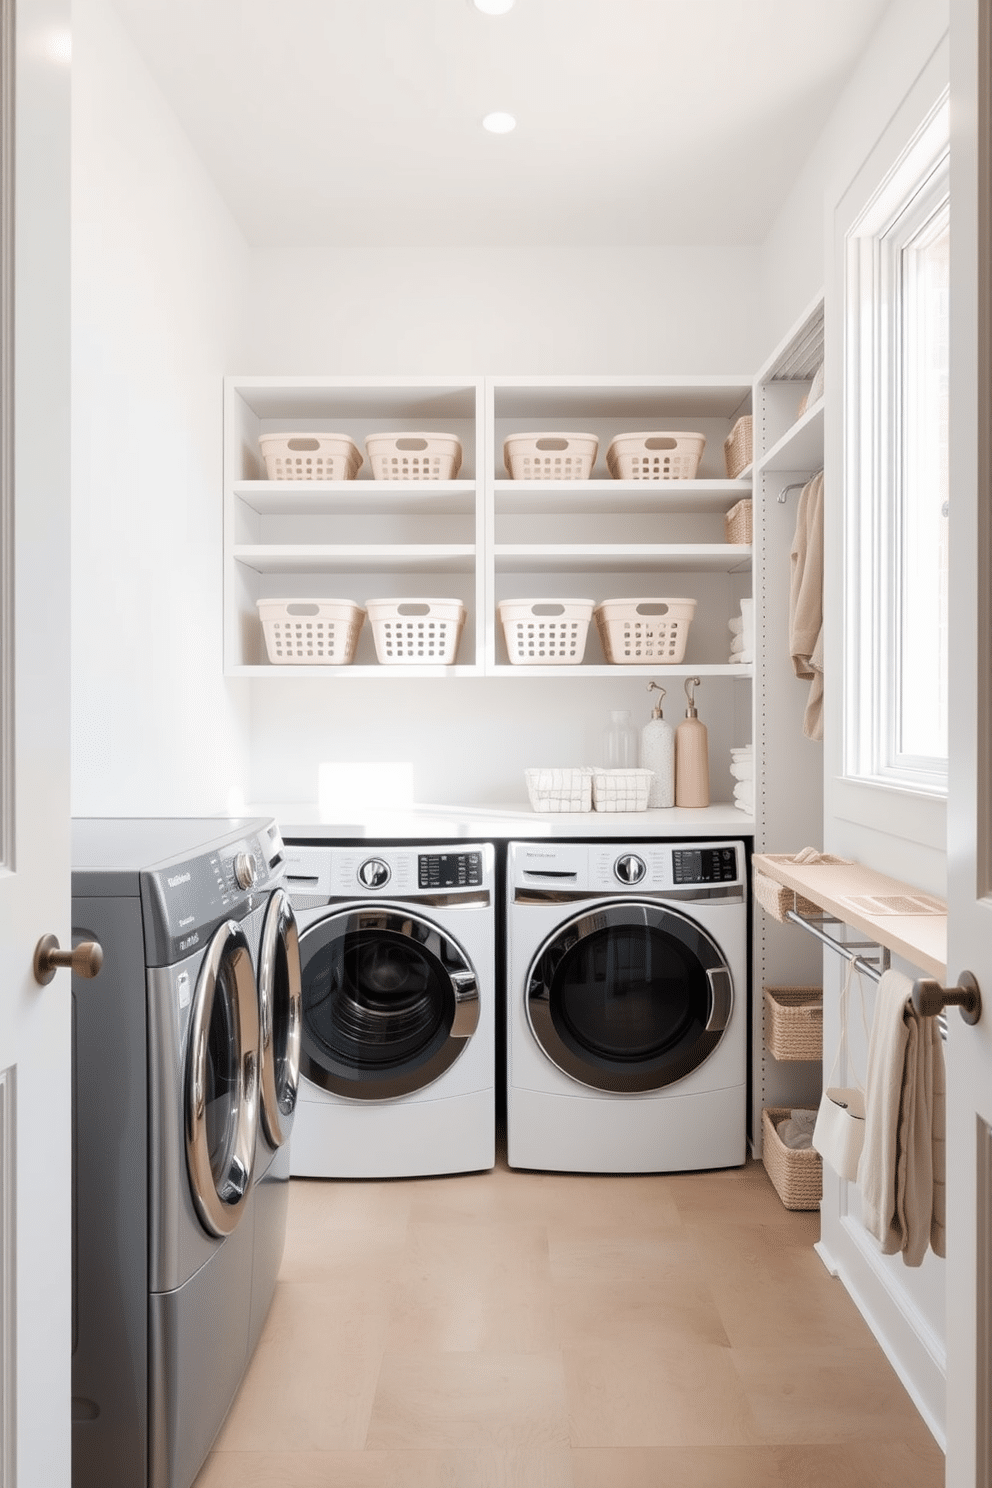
[{"x": 913, "y": 815}]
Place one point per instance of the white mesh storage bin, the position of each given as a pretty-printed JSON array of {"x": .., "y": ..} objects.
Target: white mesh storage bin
[
  {"x": 560, "y": 789},
  {"x": 545, "y": 632},
  {"x": 310, "y": 632},
  {"x": 414, "y": 457},
  {"x": 550, "y": 456},
  {"x": 316, "y": 457},
  {"x": 657, "y": 456},
  {"x": 621, "y": 790},
  {"x": 644, "y": 631},
  {"x": 411, "y": 631}
]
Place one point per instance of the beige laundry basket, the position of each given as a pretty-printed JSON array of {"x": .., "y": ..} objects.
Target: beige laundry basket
[
  {"x": 649, "y": 631},
  {"x": 310, "y": 632},
  {"x": 794, "y": 1022},
  {"x": 550, "y": 456},
  {"x": 414, "y": 457},
  {"x": 412, "y": 632},
  {"x": 311, "y": 457},
  {"x": 738, "y": 524},
  {"x": 545, "y": 632},
  {"x": 737, "y": 447},
  {"x": 796, "y": 1175},
  {"x": 655, "y": 456}
]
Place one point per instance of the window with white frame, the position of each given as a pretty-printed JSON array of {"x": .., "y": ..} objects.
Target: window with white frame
[{"x": 896, "y": 462}]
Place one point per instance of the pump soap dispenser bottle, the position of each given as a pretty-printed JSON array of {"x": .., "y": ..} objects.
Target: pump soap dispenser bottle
[
  {"x": 692, "y": 764},
  {"x": 658, "y": 753}
]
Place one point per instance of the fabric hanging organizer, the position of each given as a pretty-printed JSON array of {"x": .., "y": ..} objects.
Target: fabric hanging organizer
[{"x": 839, "y": 1133}]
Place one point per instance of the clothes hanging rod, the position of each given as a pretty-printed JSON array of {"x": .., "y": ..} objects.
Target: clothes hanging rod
[
  {"x": 844, "y": 948},
  {"x": 795, "y": 486}
]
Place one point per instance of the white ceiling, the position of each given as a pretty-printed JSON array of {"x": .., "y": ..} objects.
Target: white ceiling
[{"x": 357, "y": 122}]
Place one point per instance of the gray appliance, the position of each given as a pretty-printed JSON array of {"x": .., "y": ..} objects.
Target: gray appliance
[{"x": 179, "y": 1191}]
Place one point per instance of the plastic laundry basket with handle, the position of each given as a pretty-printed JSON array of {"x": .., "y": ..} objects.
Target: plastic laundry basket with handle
[{"x": 411, "y": 632}]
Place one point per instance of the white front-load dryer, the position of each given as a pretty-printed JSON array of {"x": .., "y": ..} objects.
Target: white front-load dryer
[
  {"x": 397, "y": 1049},
  {"x": 626, "y": 1006}
]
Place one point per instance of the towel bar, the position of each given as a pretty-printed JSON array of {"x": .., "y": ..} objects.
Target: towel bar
[
  {"x": 844, "y": 948},
  {"x": 930, "y": 998}
]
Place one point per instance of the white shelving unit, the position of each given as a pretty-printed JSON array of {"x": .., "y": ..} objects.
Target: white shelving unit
[
  {"x": 788, "y": 451},
  {"x": 356, "y": 539}
]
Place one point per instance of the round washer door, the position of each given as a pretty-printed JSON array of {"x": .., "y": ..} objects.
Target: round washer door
[
  {"x": 279, "y": 1015},
  {"x": 629, "y": 996},
  {"x": 389, "y": 1002},
  {"x": 221, "y": 1081}
]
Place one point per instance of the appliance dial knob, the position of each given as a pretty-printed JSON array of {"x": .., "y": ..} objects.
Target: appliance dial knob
[
  {"x": 373, "y": 873},
  {"x": 629, "y": 869},
  {"x": 245, "y": 870}
]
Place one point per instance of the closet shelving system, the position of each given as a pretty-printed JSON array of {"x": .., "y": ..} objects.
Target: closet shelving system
[
  {"x": 788, "y": 451},
  {"x": 483, "y": 536}
]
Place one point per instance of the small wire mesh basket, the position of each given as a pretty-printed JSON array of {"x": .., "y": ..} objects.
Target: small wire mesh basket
[
  {"x": 550, "y": 456},
  {"x": 414, "y": 457},
  {"x": 310, "y": 632},
  {"x": 737, "y": 447},
  {"x": 560, "y": 789},
  {"x": 621, "y": 790},
  {"x": 644, "y": 631},
  {"x": 411, "y": 632},
  {"x": 655, "y": 456},
  {"x": 545, "y": 632},
  {"x": 312, "y": 457}
]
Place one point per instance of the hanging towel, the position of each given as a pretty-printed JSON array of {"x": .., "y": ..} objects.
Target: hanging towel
[
  {"x": 806, "y": 602},
  {"x": 901, "y": 1172}
]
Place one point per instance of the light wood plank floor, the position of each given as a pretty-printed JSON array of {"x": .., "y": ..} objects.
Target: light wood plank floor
[{"x": 529, "y": 1330}]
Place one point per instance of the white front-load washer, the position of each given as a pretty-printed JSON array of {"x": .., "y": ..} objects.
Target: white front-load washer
[
  {"x": 626, "y": 1006},
  {"x": 397, "y": 1057}
]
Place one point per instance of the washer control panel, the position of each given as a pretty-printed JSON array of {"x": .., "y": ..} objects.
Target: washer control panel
[
  {"x": 449, "y": 870},
  {"x": 704, "y": 865}
]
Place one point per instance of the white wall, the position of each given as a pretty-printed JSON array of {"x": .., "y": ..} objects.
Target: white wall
[{"x": 159, "y": 276}]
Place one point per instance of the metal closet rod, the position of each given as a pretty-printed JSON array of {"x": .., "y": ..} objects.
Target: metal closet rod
[{"x": 844, "y": 948}]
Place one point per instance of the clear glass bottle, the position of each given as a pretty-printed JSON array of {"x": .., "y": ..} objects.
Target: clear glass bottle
[{"x": 620, "y": 742}]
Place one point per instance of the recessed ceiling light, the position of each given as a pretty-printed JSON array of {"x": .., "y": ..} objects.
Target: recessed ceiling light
[
  {"x": 499, "y": 123},
  {"x": 493, "y": 7}
]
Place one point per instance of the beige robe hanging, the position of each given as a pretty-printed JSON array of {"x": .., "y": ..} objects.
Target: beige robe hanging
[{"x": 806, "y": 602}]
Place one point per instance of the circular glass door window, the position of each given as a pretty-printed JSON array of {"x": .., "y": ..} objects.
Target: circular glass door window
[
  {"x": 389, "y": 1002},
  {"x": 629, "y": 997}
]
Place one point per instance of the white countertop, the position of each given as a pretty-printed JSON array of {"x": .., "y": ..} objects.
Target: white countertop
[{"x": 485, "y": 823}]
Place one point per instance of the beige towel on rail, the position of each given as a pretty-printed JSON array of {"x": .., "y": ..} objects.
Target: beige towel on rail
[
  {"x": 806, "y": 602},
  {"x": 901, "y": 1172}
]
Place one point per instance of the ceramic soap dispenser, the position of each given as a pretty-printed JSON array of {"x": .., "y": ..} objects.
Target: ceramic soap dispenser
[
  {"x": 657, "y": 753},
  {"x": 692, "y": 762}
]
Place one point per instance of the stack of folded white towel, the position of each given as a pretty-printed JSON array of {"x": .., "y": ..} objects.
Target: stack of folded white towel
[
  {"x": 742, "y": 769},
  {"x": 742, "y": 633}
]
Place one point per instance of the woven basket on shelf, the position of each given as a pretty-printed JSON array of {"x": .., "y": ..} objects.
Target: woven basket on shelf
[
  {"x": 794, "y": 1022},
  {"x": 778, "y": 900},
  {"x": 737, "y": 447},
  {"x": 738, "y": 524},
  {"x": 796, "y": 1174}
]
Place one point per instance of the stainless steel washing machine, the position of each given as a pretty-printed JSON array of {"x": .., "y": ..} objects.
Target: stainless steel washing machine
[{"x": 174, "y": 1256}]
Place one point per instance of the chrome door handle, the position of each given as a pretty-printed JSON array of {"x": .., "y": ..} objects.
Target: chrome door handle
[
  {"x": 85, "y": 959},
  {"x": 722, "y": 998},
  {"x": 930, "y": 998}
]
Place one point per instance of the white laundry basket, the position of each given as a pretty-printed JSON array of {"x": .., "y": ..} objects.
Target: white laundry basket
[
  {"x": 311, "y": 457},
  {"x": 650, "y": 631},
  {"x": 560, "y": 789},
  {"x": 545, "y": 632},
  {"x": 414, "y": 457},
  {"x": 310, "y": 632},
  {"x": 621, "y": 790},
  {"x": 412, "y": 632}
]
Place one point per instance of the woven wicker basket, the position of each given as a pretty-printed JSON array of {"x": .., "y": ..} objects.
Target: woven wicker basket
[
  {"x": 738, "y": 524},
  {"x": 794, "y": 1022},
  {"x": 778, "y": 900},
  {"x": 797, "y": 1175},
  {"x": 737, "y": 447}
]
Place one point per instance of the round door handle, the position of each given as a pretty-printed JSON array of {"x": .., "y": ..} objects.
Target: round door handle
[
  {"x": 930, "y": 998},
  {"x": 84, "y": 959}
]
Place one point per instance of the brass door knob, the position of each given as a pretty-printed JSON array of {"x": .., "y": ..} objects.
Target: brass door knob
[{"x": 84, "y": 959}]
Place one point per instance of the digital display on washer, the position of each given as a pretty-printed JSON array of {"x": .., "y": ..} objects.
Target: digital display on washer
[
  {"x": 701, "y": 865},
  {"x": 449, "y": 870}
]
